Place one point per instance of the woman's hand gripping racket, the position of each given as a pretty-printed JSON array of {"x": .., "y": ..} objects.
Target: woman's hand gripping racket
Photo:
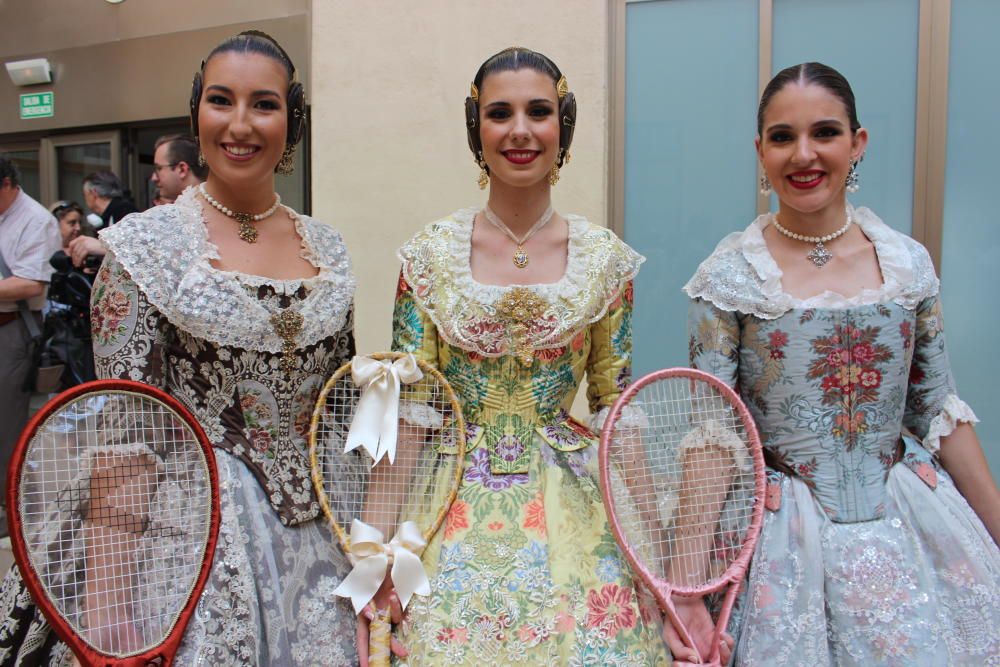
[
  {"x": 387, "y": 448},
  {"x": 114, "y": 511},
  {"x": 682, "y": 474}
]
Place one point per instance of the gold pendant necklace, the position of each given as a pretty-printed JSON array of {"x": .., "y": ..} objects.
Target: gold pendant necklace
[
  {"x": 248, "y": 232},
  {"x": 520, "y": 256}
]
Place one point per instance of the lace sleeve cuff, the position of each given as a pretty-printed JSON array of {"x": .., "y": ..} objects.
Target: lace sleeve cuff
[
  {"x": 632, "y": 416},
  {"x": 420, "y": 414},
  {"x": 714, "y": 434},
  {"x": 119, "y": 454},
  {"x": 953, "y": 412}
]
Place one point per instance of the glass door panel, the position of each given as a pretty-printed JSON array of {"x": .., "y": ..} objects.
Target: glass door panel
[
  {"x": 874, "y": 44},
  {"x": 689, "y": 158},
  {"x": 971, "y": 237},
  {"x": 74, "y": 163},
  {"x": 72, "y": 157}
]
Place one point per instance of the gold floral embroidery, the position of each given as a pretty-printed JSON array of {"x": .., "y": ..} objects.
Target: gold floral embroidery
[
  {"x": 519, "y": 307},
  {"x": 466, "y": 312},
  {"x": 287, "y": 324}
]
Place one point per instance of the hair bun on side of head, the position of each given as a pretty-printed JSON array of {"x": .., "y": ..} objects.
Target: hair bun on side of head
[{"x": 511, "y": 59}]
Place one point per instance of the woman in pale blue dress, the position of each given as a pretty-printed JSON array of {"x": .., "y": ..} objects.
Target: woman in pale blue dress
[{"x": 879, "y": 539}]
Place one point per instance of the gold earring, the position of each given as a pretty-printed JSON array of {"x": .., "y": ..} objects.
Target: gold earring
[
  {"x": 484, "y": 176},
  {"x": 201, "y": 159},
  {"x": 554, "y": 174},
  {"x": 286, "y": 165}
]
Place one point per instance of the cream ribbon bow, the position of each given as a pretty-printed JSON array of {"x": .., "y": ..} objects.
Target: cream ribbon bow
[
  {"x": 376, "y": 422},
  {"x": 371, "y": 557}
]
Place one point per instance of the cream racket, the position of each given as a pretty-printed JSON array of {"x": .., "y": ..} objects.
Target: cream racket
[{"x": 387, "y": 448}]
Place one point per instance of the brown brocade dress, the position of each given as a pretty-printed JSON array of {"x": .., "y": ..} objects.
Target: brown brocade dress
[{"x": 162, "y": 314}]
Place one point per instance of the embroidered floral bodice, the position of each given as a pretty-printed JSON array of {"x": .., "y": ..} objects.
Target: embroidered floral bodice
[
  {"x": 831, "y": 381},
  {"x": 162, "y": 314},
  {"x": 516, "y": 354},
  {"x": 525, "y": 570}
]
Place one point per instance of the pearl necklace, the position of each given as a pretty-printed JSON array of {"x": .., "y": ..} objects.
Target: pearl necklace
[
  {"x": 248, "y": 232},
  {"x": 819, "y": 255},
  {"x": 520, "y": 257}
]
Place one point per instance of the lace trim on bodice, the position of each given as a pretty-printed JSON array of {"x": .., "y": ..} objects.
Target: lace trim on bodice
[
  {"x": 741, "y": 275},
  {"x": 168, "y": 254},
  {"x": 469, "y": 314}
]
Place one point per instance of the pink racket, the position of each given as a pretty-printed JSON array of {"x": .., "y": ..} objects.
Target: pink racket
[
  {"x": 682, "y": 474},
  {"x": 114, "y": 511}
]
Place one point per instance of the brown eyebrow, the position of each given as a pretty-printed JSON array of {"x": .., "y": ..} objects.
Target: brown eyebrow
[
  {"x": 504, "y": 103},
  {"x": 256, "y": 93},
  {"x": 820, "y": 123}
]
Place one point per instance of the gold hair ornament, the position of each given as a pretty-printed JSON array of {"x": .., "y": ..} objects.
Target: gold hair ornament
[{"x": 562, "y": 87}]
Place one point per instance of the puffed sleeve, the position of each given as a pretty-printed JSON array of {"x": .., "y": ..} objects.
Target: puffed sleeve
[
  {"x": 609, "y": 365},
  {"x": 127, "y": 331},
  {"x": 933, "y": 408},
  {"x": 714, "y": 340},
  {"x": 412, "y": 329}
]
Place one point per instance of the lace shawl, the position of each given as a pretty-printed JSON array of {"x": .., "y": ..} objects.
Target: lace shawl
[
  {"x": 465, "y": 312},
  {"x": 167, "y": 253},
  {"x": 740, "y": 274}
]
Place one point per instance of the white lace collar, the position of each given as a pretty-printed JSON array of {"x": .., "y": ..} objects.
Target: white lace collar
[
  {"x": 436, "y": 264},
  {"x": 167, "y": 253},
  {"x": 754, "y": 281}
]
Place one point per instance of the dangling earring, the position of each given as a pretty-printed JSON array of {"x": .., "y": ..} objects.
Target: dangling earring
[
  {"x": 286, "y": 165},
  {"x": 563, "y": 157},
  {"x": 201, "y": 159},
  {"x": 852, "y": 183},
  {"x": 765, "y": 185},
  {"x": 484, "y": 176}
]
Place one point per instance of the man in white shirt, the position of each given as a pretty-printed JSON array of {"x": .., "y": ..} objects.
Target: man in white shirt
[{"x": 28, "y": 237}]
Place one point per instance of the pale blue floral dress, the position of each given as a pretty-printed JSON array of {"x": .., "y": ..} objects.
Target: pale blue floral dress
[{"x": 868, "y": 555}]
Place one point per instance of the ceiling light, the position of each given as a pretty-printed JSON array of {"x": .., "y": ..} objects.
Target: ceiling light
[{"x": 29, "y": 72}]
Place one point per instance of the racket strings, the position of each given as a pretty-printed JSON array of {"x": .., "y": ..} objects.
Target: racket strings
[
  {"x": 115, "y": 505},
  {"x": 414, "y": 487},
  {"x": 683, "y": 480}
]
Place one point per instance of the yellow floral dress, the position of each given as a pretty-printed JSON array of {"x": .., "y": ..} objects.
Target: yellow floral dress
[{"x": 525, "y": 569}]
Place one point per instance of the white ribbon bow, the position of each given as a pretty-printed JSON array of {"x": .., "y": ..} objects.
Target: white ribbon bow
[
  {"x": 371, "y": 557},
  {"x": 376, "y": 423}
]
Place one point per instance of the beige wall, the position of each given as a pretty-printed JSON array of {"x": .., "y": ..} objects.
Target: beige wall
[
  {"x": 129, "y": 62},
  {"x": 389, "y": 145}
]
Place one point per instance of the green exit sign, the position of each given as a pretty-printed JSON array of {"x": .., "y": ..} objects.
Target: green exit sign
[{"x": 38, "y": 105}]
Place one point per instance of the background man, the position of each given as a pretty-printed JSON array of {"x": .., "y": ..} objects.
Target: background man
[
  {"x": 104, "y": 195},
  {"x": 175, "y": 165},
  {"x": 28, "y": 237}
]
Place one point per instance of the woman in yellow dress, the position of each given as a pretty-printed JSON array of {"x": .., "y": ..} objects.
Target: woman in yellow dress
[{"x": 514, "y": 303}]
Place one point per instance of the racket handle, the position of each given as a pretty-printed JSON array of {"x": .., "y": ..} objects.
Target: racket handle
[{"x": 379, "y": 639}]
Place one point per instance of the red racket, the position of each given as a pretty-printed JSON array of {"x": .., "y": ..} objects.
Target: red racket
[
  {"x": 682, "y": 474},
  {"x": 114, "y": 511}
]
